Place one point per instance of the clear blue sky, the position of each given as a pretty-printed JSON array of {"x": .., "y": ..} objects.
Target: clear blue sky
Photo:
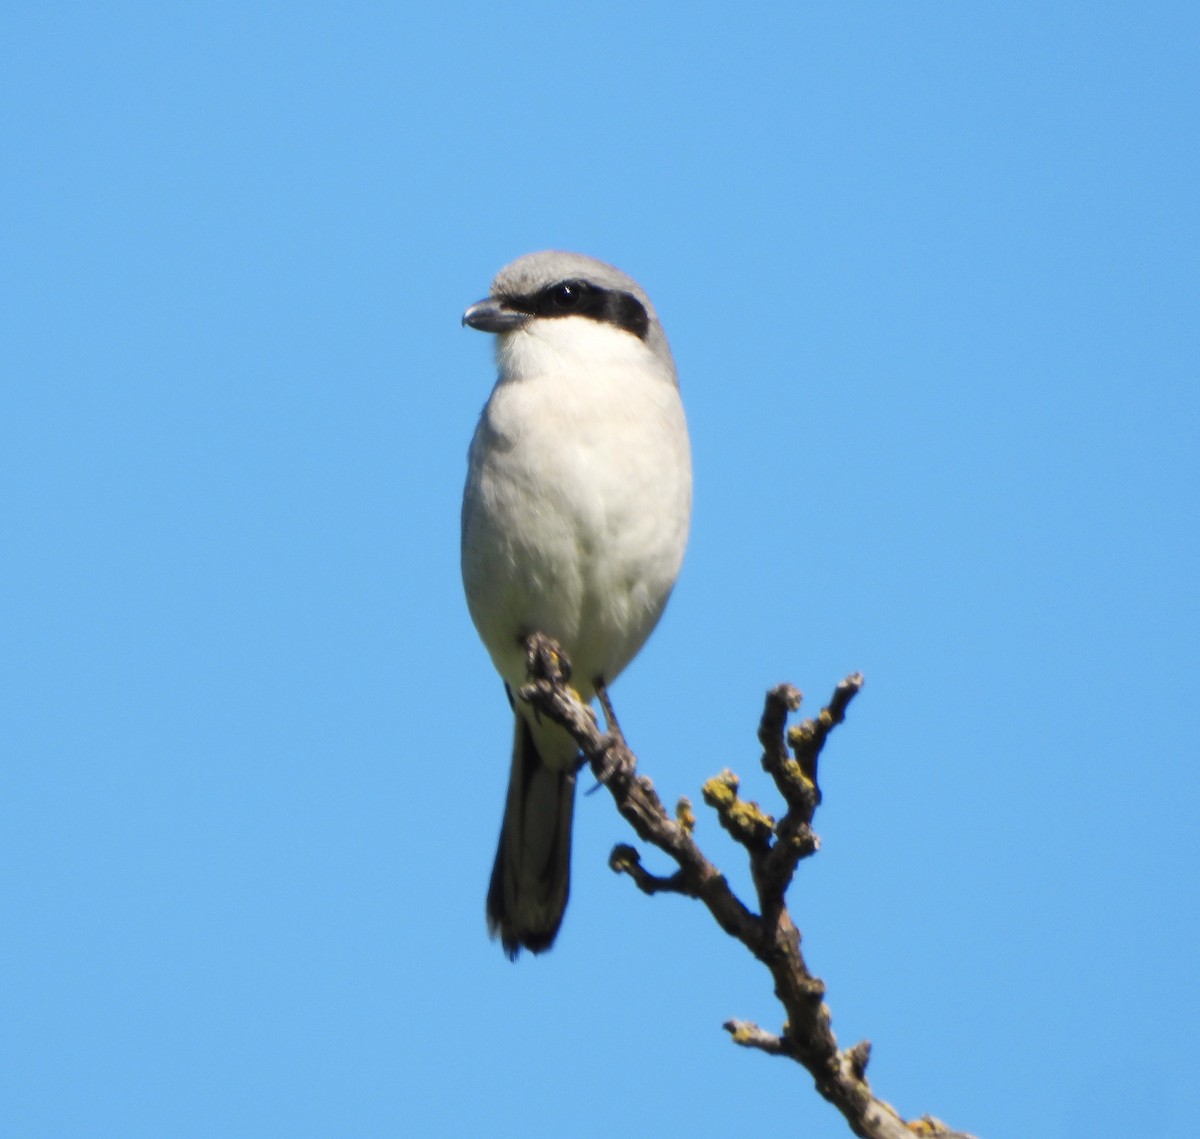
[{"x": 930, "y": 274}]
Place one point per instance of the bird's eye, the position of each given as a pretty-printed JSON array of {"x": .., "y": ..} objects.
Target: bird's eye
[{"x": 566, "y": 296}]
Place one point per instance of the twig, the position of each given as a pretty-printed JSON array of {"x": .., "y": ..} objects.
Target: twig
[{"x": 774, "y": 848}]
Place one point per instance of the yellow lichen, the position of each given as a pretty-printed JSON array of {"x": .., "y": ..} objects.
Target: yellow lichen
[
  {"x": 721, "y": 790},
  {"x": 801, "y": 733},
  {"x": 750, "y": 816}
]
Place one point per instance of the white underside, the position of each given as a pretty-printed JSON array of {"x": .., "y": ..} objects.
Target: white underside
[{"x": 575, "y": 514}]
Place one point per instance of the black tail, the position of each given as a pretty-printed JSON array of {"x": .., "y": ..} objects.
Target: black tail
[{"x": 532, "y": 874}]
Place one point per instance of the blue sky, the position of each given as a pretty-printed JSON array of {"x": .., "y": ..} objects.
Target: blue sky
[{"x": 930, "y": 275}]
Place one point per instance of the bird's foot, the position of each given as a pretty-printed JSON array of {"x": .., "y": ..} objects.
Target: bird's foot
[
  {"x": 611, "y": 726},
  {"x": 606, "y": 766},
  {"x": 545, "y": 660},
  {"x": 614, "y": 740}
]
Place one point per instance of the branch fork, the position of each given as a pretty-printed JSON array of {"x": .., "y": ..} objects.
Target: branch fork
[{"x": 774, "y": 847}]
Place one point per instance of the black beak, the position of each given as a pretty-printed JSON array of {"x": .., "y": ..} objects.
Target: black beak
[{"x": 494, "y": 315}]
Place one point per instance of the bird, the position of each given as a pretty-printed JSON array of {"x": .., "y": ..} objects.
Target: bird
[{"x": 575, "y": 518}]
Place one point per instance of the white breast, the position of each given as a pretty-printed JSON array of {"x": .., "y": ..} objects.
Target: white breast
[{"x": 578, "y": 496}]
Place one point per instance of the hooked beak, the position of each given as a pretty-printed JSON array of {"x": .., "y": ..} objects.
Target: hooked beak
[{"x": 494, "y": 315}]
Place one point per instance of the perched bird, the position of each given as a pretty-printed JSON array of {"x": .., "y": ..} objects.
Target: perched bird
[{"x": 574, "y": 522}]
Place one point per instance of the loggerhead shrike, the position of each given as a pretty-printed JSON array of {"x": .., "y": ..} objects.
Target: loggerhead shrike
[{"x": 574, "y": 521}]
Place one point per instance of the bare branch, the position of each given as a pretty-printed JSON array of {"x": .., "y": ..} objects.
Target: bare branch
[
  {"x": 749, "y": 1035},
  {"x": 774, "y": 848},
  {"x": 626, "y": 860}
]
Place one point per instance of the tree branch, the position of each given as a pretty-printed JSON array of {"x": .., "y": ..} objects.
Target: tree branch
[{"x": 774, "y": 848}]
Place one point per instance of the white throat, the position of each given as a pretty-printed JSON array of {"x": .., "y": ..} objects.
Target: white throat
[{"x": 571, "y": 345}]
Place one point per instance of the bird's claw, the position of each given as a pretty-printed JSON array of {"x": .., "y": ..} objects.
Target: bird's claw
[{"x": 545, "y": 660}]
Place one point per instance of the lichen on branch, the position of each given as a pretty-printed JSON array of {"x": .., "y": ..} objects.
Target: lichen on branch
[{"x": 774, "y": 847}]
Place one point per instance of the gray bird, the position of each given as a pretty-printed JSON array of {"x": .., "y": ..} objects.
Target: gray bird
[{"x": 574, "y": 522}]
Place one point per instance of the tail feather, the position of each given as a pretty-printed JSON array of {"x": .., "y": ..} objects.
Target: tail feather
[{"x": 531, "y": 877}]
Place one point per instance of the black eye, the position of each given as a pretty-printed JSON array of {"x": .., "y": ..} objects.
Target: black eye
[{"x": 566, "y": 296}]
